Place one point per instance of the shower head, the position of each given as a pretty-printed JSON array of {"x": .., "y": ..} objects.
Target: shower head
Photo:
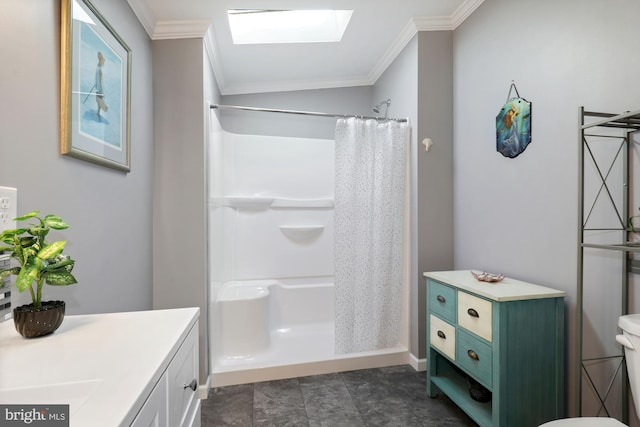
[{"x": 377, "y": 108}]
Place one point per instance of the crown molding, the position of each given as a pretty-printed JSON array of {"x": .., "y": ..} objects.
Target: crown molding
[
  {"x": 142, "y": 11},
  {"x": 432, "y": 23},
  {"x": 162, "y": 30},
  {"x": 180, "y": 29},
  {"x": 405, "y": 36},
  {"x": 463, "y": 12},
  {"x": 420, "y": 23},
  {"x": 159, "y": 30}
]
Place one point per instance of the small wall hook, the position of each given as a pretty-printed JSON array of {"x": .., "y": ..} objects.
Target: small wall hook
[{"x": 427, "y": 142}]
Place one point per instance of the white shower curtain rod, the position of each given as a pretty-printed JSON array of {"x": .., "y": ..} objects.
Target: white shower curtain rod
[{"x": 302, "y": 113}]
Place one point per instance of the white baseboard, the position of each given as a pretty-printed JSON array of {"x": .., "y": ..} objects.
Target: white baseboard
[
  {"x": 418, "y": 364},
  {"x": 203, "y": 390}
]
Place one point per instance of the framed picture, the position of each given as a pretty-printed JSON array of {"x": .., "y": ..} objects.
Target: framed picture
[{"x": 95, "y": 88}]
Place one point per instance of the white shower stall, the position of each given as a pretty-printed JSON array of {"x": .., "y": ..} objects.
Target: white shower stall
[{"x": 271, "y": 249}]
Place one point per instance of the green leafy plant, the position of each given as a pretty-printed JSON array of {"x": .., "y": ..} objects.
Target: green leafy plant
[
  {"x": 40, "y": 261},
  {"x": 631, "y": 226}
]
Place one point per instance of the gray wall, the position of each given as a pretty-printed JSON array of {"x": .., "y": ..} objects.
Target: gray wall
[
  {"x": 109, "y": 212},
  {"x": 179, "y": 193},
  {"x": 519, "y": 216},
  {"x": 435, "y": 167}
]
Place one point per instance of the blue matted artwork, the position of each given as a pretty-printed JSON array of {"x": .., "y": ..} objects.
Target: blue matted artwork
[{"x": 101, "y": 85}]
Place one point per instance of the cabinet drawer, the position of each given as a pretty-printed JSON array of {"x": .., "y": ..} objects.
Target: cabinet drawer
[
  {"x": 475, "y": 356},
  {"x": 154, "y": 411},
  {"x": 442, "y": 301},
  {"x": 442, "y": 336},
  {"x": 182, "y": 371},
  {"x": 475, "y": 314}
]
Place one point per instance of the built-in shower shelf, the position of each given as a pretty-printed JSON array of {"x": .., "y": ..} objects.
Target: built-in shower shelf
[
  {"x": 242, "y": 202},
  {"x": 302, "y": 233},
  {"x": 303, "y": 203},
  {"x": 257, "y": 202}
]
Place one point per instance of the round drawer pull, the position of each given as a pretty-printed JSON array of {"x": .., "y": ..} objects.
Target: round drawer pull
[
  {"x": 441, "y": 299},
  {"x": 473, "y": 313},
  {"x": 192, "y": 385},
  {"x": 472, "y": 354},
  {"x": 442, "y": 335}
]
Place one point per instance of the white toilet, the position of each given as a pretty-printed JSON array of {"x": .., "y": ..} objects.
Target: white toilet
[{"x": 630, "y": 339}]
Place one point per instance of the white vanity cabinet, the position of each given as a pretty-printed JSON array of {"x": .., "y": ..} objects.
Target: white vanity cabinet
[
  {"x": 154, "y": 412},
  {"x": 115, "y": 369},
  {"x": 174, "y": 400}
]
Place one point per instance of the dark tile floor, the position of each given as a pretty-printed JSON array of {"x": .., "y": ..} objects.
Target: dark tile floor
[{"x": 392, "y": 396}]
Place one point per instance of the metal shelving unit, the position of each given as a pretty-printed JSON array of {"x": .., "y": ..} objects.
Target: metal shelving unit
[{"x": 614, "y": 130}]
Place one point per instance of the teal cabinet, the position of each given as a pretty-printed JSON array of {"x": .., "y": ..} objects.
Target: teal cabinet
[{"x": 507, "y": 336}]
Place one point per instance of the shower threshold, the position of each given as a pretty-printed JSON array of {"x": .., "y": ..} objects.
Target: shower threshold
[{"x": 300, "y": 351}]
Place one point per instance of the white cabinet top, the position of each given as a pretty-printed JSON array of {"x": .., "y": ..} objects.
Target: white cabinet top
[
  {"x": 103, "y": 365},
  {"x": 506, "y": 290}
]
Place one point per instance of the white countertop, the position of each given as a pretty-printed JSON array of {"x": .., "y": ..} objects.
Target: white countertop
[
  {"x": 103, "y": 365},
  {"x": 506, "y": 290}
]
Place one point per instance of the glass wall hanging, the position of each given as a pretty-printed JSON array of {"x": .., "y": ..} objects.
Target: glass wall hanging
[{"x": 513, "y": 125}]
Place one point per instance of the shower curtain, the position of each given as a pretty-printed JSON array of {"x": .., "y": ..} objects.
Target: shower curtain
[{"x": 369, "y": 217}]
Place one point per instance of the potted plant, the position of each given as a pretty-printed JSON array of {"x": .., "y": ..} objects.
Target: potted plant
[
  {"x": 631, "y": 224},
  {"x": 40, "y": 262}
]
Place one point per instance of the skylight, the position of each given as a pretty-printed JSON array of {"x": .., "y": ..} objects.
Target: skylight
[{"x": 249, "y": 26}]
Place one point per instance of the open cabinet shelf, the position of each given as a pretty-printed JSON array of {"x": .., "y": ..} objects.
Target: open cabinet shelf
[{"x": 452, "y": 382}]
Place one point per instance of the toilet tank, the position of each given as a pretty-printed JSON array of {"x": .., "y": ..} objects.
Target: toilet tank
[{"x": 630, "y": 339}]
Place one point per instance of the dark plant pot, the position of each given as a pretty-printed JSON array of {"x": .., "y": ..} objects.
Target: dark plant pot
[
  {"x": 477, "y": 391},
  {"x": 37, "y": 322}
]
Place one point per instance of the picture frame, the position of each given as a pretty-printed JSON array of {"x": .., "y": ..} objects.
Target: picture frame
[{"x": 95, "y": 88}]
